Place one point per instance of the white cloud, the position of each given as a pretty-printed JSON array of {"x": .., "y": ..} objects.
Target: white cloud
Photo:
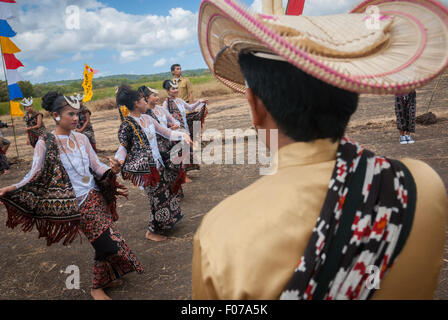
[
  {"x": 133, "y": 55},
  {"x": 80, "y": 56},
  {"x": 101, "y": 27},
  {"x": 160, "y": 62},
  {"x": 36, "y": 73}
]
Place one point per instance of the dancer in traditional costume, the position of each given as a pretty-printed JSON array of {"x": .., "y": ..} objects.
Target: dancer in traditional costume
[
  {"x": 85, "y": 123},
  {"x": 35, "y": 126},
  {"x": 4, "y": 146},
  {"x": 69, "y": 190},
  {"x": 178, "y": 109},
  {"x": 156, "y": 111},
  {"x": 144, "y": 164},
  {"x": 165, "y": 119},
  {"x": 332, "y": 220}
]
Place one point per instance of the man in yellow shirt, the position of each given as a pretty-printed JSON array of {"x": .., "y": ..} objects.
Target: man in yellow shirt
[
  {"x": 184, "y": 85},
  {"x": 335, "y": 221}
]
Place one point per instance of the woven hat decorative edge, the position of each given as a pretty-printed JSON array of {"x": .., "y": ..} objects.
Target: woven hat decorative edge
[{"x": 380, "y": 47}]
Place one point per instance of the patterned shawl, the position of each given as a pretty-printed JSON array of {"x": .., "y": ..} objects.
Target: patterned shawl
[
  {"x": 196, "y": 116},
  {"x": 363, "y": 225},
  {"x": 48, "y": 202},
  {"x": 139, "y": 166},
  {"x": 175, "y": 112}
]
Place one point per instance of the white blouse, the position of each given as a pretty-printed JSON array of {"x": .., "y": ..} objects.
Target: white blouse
[
  {"x": 183, "y": 106},
  {"x": 76, "y": 162},
  {"x": 164, "y": 116},
  {"x": 151, "y": 127}
]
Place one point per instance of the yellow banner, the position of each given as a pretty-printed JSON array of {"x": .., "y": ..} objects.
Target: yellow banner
[
  {"x": 8, "y": 46},
  {"x": 15, "y": 109},
  {"x": 87, "y": 83}
]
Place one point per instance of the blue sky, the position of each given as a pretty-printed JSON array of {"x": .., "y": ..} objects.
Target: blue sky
[{"x": 117, "y": 36}]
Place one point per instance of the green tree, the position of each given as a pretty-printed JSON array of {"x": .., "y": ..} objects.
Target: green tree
[
  {"x": 27, "y": 88},
  {"x": 4, "y": 94}
]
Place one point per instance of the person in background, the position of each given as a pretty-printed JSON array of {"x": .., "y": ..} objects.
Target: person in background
[
  {"x": 184, "y": 84},
  {"x": 85, "y": 124},
  {"x": 4, "y": 146},
  {"x": 35, "y": 126},
  {"x": 405, "y": 109},
  {"x": 178, "y": 109}
]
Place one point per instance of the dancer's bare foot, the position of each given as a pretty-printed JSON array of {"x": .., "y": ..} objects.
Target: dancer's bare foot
[
  {"x": 99, "y": 294},
  {"x": 115, "y": 284},
  {"x": 187, "y": 179},
  {"x": 154, "y": 237},
  {"x": 5, "y": 172}
]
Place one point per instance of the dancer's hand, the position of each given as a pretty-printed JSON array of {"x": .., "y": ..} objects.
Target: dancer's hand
[
  {"x": 174, "y": 126},
  {"x": 204, "y": 101},
  {"x": 6, "y": 190},
  {"x": 188, "y": 139},
  {"x": 115, "y": 165}
]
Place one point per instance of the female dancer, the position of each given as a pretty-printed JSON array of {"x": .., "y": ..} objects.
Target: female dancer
[
  {"x": 4, "y": 146},
  {"x": 164, "y": 118},
  {"x": 178, "y": 109},
  {"x": 84, "y": 124},
  {"x": 34, "y": 122},
  {"x": 156, "y": 111},
  {"x": 144, "y": 165},
  {"x": 68, "y": 189}
]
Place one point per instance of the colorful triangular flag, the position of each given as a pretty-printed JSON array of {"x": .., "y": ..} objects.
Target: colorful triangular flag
[
  {"x": 5, "y": 11},
  {"x": 6, "y": 30},
  {"x": 13, "y": 76},
  {"x": 8, "y": 46},
  {"x": 295, "y": 7},
  {"x": 11, "y": 61},
  {"x": 15, "y": 109},
  {"x": 14, "y": 91},
  {"x": 8, "y": 1}
]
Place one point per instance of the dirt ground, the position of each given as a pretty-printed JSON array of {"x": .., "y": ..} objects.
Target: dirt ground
[{"x": 31, "y": 270}]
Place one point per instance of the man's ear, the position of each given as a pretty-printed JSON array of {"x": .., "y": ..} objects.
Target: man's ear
[{"x": 257, "y": 107}]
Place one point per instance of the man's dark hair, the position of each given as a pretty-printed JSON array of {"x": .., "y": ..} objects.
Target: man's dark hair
[
  {"x": 174, "y": 66},
  {"x": 304, "y": 108}
]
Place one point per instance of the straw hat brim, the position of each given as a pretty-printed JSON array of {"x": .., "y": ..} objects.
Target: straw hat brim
[{"x": 409, "y": 49}]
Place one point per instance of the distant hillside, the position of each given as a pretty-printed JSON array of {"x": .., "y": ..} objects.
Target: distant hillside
[{"x": 131, "y": 77}]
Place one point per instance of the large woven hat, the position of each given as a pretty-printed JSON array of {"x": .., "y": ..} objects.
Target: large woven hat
[{"x": 381, "y": 47}]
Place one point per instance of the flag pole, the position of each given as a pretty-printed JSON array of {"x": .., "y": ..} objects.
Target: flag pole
[{"x": 12, "y": 120}]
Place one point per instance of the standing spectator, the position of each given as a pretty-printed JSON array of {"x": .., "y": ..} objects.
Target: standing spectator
[
  {"x": 184, "y": 85},
  {"x": 405, "y": 106}
]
